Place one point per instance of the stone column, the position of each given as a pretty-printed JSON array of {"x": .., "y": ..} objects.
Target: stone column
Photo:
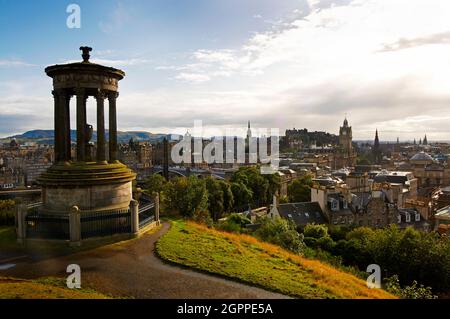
[
  {"x": 157, "y": 208},
  {"x": 21, "y": 227},
  {"x": 75, "y": 226},
  {"x": 112, "y": 126},
  {"x": 81, "y": 124},
  {"x": 65, "y": 118},
  {"x": 58, "y": 133},
  {"x": 134, "y": 208},
  {"x": 101, "y": 156}
]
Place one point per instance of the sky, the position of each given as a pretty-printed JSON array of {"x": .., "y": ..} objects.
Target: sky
[{"x": 280, "y": 64}]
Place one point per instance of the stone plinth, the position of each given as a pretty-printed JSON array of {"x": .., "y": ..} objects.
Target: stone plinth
[{"x": 89, "y": 186}]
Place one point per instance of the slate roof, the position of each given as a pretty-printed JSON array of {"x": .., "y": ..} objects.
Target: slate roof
[
  {"x": 392, "y": 177},
  {"x": 422, "y": 224},
  {"x": 302, "y": 213},
  {"x": 422, "y": 156}
]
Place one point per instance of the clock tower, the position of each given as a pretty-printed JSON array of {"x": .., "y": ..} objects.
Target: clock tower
[{"x": 345, "y": 155}]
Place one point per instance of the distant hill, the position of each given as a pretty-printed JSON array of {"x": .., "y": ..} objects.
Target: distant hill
[{"x": 46, "y": 136}]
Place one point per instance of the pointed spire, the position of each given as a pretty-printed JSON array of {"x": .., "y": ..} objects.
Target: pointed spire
[
  {"x": 377, "y": 141},
  {"x": 249, "y": 131},
  {"x": 425, "y": 140}
]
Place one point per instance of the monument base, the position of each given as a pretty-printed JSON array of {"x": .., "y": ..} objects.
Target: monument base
[{"x": 92, "y": 187}]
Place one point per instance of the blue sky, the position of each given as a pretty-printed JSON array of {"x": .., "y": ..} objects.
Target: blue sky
[{"x": 280, "y": 64}]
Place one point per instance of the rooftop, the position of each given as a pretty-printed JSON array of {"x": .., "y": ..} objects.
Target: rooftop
[
  {"x": 422, "y": 156},
  {"x": 302, "y": 213}
]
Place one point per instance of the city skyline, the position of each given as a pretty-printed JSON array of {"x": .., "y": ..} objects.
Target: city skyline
[{"x": 291, "y": 64}]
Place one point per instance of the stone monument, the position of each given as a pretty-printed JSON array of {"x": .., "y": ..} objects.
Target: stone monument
[{"x": 96, "y": 184}]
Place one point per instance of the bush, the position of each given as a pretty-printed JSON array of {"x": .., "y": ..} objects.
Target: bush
[
  {"x": 338, "y": 232},
  {"x": 315, "y": 231},
  {"x": 412, "y": 255},
  {"x": 280, "y": 232},
  {"x": 414, "y": 291},
  {"x": 234, "y": 223},
  {"x": 203, "y": 217},
  {"x": 326, "y": 243},
  {"x": 311, "y": 242}
]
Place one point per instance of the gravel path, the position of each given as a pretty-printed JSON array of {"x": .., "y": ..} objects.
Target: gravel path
[{"x": 131, "y": 269}]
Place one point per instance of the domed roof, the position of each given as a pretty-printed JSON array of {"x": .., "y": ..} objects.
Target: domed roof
[{"x": 422, "y": 156}]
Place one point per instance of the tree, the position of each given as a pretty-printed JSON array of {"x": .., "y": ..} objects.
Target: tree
[
  {"x": 300, "y": 189},
  {"x": 280, "y": 232},
  {"x": 316, "y": 236},
  {"x": 263, "y": 187},
  {"x": 215, "y": 198},
  {"x": 228, "y": 199},
  {"x": 154, "y": 183},
  {"x": 274, "y": 181},
  {"x": 187, "y": 196},
  {"x": 242, "y": 195}
]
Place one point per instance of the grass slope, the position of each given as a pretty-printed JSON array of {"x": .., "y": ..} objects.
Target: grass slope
[
  {"x": 48, "y": 288},
  {"x": 248, "y": 260}
]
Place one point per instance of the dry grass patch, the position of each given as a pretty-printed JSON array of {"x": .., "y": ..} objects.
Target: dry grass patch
[{"x": 245, "y": 258}]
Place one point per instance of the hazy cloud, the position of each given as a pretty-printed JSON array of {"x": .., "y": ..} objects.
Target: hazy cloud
[
  {"x": 14, "y": 63},
  {"x": 401, "y": 44}
]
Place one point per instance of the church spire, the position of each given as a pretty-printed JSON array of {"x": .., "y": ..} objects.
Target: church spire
[
  {"x": 249, "y": 131},
  {"x": 376, "y": 143}
]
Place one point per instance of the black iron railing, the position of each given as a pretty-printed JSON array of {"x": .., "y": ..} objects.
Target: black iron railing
[
  {"x": 146, "y": 214},
  {"x": 46, "y": 226},
  {"x": 99, "y": 224}
]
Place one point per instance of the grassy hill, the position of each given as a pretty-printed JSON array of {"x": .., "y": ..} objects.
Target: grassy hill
[
  {"x": 49, "y": 288},
  {"x": 246, "y": 259}
]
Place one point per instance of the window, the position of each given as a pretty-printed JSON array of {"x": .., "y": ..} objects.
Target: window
[
  {"x": 345, "y": 204},
  {"x": 334, "y": 205},
  {"x": 408, "y": 217},
  {"x": 417, "y": 217},
  {"x": 399, "y": 219}
]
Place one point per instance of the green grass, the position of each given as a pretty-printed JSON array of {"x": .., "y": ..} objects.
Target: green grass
[
  {"x": 46, "y": 288},
  {"x": 245, "y": 259}
]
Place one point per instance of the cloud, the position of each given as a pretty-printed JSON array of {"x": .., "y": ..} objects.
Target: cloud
[
  {"x": 192, "y": 77},
  {"x": 401, "y": 44},
  {"x": 14, "y": 63},
  {"x": 327, "y": 62}
]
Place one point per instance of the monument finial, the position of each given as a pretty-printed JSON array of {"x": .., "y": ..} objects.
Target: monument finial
[{"x": 86, "y": 54}]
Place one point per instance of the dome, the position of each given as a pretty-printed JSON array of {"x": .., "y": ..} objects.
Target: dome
[{"x": 422, "y": 156}]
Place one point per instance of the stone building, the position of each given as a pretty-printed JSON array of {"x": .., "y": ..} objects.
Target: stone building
[
  {"x": 428, "y": 171},
  {"x": 344, "y": 155},
  {"x": 138, "y": 156}
]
